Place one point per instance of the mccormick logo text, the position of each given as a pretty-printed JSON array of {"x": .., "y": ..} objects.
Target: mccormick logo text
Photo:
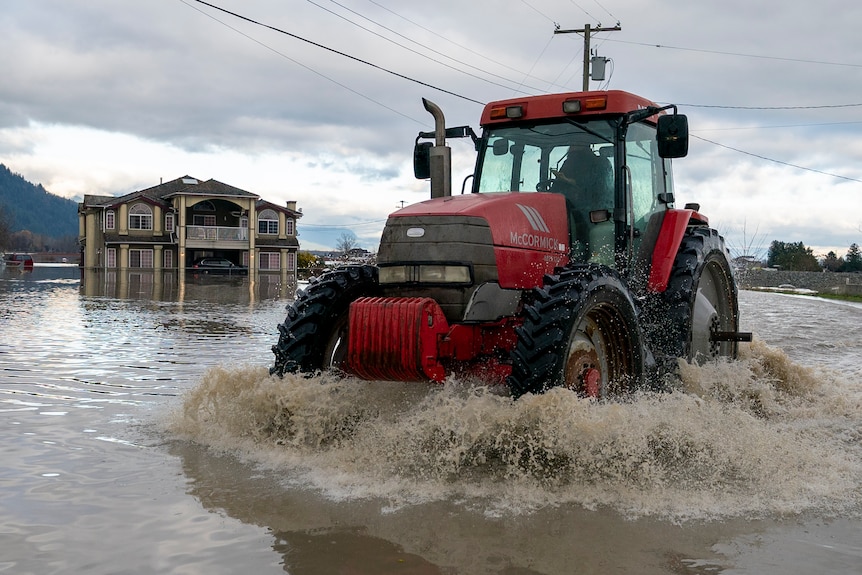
[
  {"x": 537, "y": 222},
  {"x": 533, "y": 241}
]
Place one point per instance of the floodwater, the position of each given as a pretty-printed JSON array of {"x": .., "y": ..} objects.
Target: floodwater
[{"x": 141, "y": 433}]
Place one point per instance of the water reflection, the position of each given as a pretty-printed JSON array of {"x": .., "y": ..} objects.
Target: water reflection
[
  {"x": 314, "y": 535},
  {"x": 170, "y": 285}
]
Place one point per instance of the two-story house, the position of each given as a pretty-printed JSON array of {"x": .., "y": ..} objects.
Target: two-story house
[{"x": 167, "y": 227}]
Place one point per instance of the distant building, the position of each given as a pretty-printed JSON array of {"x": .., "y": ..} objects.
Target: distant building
[{"x": 168, "y": 226}]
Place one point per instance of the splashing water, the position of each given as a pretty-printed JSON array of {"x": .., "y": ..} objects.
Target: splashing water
[{"x": 761, "y": 435}]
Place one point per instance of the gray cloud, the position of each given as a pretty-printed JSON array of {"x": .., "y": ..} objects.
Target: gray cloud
[{"x": 181, "y": 74}]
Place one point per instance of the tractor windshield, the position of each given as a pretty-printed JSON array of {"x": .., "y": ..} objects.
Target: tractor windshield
[{"x": 558, "y": 157}]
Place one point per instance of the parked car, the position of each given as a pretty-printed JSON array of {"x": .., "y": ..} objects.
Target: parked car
[
  {"x": 20, "y": 261},
  {"x": 217, "y": 266}
]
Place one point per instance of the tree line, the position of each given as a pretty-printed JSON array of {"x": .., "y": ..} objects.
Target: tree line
[
  {"x": 795, "y": 256},
  {"x": 33, "y": 219}
]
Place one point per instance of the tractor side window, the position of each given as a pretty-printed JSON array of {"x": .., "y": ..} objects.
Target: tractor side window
[{"x": 647, "y": 175}]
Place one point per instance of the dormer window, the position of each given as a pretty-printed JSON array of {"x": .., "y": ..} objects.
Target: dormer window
[
  {"x": 140, "y": 217},
  {"x": 267, "y": 222}
]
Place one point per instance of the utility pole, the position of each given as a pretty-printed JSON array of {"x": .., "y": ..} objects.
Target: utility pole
[{"x": 586, "y": 31}]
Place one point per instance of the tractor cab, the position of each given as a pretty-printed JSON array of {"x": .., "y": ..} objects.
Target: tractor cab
[{"x": 607, "y": 153}]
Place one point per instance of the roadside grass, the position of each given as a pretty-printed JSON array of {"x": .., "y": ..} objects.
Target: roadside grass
[{"x": 846, "y": 297}]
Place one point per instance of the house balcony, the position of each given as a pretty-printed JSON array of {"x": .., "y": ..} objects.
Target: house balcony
[{"x": 216, "y": 237}]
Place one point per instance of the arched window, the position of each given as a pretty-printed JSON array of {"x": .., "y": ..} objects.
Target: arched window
[
  {"x": 267, "y": 222},
  {"x": 204, "y": 206},
  {"x": 204, "y": 219},
  {"x": 140, "y": 217}
]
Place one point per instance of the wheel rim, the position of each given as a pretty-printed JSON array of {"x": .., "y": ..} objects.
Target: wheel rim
[
  {"x": 597, "y": 353},
  {"x": 335, "y": 352},
  {"x": 711, "y": 313}
]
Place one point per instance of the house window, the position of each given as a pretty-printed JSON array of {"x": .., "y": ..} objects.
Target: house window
[
  {"x": 291, "y": 261},
  {"x": 269, "y": 260},
  {"x": 169, "y": 258},
  {"x": 111, "y": 257},
  {"x": 267, "y": 222},
  {"x": 169, "y": 222},
  {"x": 141, "y": 217},
  {"x": 140, "y": 258},
  {"x": 288, "y": 226},
  {"x": 199, "y": 220},
  {"x": 109, "y": 220},
  {"x": 204, "y": 206}
]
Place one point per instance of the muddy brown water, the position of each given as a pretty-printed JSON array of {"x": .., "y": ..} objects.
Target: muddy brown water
[{"x": 141, "y": 433}]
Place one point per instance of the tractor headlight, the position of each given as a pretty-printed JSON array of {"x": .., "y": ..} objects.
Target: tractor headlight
[
  {"x": 426, "y": 274},
  {"x": 393, "y": 274},
  {"x": 444, "y": 274}
]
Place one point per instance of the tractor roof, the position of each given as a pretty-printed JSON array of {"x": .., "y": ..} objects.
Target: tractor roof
[{"x": 566, "y": 105}]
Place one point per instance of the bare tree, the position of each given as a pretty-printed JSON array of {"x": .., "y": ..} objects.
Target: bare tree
[
  {"x": 346, "y": 242},
  {"x": 753, "y": 245}
]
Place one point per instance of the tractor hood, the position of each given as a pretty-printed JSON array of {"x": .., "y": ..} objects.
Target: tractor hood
[
  {"x": 522, "y": 235},
  {"x": 534, "y": 221}
]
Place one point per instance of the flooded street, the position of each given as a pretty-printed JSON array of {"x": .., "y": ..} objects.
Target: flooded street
[{"x": 141, "y": 433}]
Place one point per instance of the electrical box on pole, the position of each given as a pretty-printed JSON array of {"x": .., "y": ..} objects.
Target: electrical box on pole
[
  {"x": 597, "y": 64},
  {"x": 587, "y": 31}
]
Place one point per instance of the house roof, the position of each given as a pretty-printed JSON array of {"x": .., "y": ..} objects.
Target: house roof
[
  {"x": 160, "y": 194},
  {"x": 261, "y": 205},
  {"x": 189, "y": 186},
  {"x": 290, "y": 242},
  {"x": 92, "y": 200}
]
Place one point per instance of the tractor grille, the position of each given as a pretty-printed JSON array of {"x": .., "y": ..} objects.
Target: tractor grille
[{"x": 446, "y": 240}]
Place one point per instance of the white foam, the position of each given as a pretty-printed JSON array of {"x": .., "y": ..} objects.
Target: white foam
[{"x": 758, "y": 436}]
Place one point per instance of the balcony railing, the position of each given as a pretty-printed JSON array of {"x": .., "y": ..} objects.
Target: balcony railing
[{"x": 216, "y": 233}]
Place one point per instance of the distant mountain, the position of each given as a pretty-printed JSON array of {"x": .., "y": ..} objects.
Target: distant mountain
[{"x": 33, "y": 208}]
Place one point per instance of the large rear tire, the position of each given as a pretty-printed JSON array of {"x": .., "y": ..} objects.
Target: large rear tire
[
  {"x": 313, "y": 337},
  {"x": 581, "y": 332},
  {"x": 700, "y": 301}
]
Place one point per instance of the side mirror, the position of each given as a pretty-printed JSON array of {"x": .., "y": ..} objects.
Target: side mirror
[
  {"x": 422, "y": 160},
  {"x": 500, "y": 147},
  {"x": 672, "y": 136}
]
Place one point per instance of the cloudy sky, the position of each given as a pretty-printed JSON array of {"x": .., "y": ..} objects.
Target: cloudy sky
[{"x": 322, "y": 102}]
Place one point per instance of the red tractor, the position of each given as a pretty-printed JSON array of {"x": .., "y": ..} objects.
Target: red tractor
[{"x": 566, "y": 264}]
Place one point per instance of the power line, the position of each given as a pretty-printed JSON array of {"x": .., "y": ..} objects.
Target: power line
[
  {"x": 820, "y": 107},
  {"x": 334, "y": 51},
  {"x": 354, "y": 225},
  {"x": 298, "y": 63},
  {"x": 459, "y": 45},
  {"x": 418, "y": 44},
  {"x": 739, "y": 54},
  {"x": 777, "y": 126},
  {"x": 777, "y": 161},
  {"x": 402, "y": 76}
]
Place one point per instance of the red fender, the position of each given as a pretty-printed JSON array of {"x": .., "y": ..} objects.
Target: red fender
[{"x": 667, "y": 244}]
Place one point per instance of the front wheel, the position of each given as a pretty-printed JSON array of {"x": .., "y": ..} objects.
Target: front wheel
[
  {"x": 581, "y": 332},
  {"x": 313, "y": 337}
]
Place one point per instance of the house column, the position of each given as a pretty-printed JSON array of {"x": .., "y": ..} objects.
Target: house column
[
  {"x": 123, "y": 220},
  {"x": 91, "y": 247},
  {"x": 253, "y": 254},
  {"x": 158, "y": 257},
  {"x": 180, "y": 226},
  {"x": 123, "y": 257}
]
